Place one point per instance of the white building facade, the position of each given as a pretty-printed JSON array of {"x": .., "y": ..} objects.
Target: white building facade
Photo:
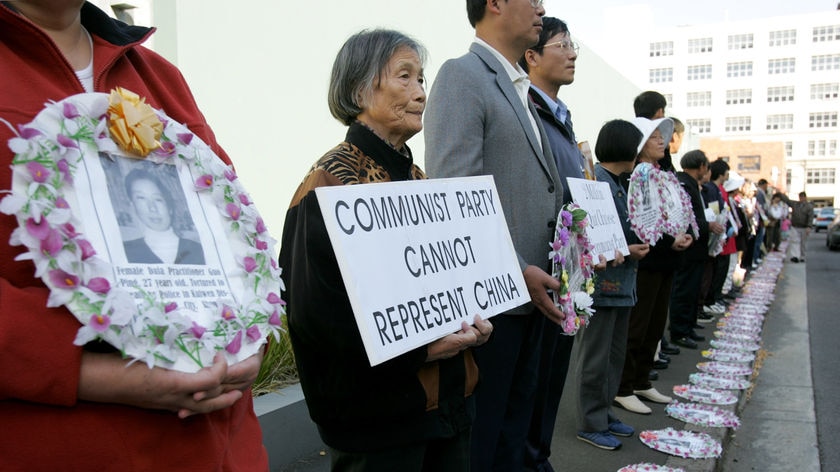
[{"x": 773, "y": 79}]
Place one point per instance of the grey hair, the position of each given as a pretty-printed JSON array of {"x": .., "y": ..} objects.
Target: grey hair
[{"x": 358, "y": 66}]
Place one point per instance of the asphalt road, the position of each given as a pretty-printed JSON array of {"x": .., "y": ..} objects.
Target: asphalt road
[{"x": 823, "y": 294}]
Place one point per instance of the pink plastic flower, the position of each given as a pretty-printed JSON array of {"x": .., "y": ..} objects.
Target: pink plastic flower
[
  {"x": 260, "y": 244},
  {"x": 64, "y": 168},
  {"x": 230, "y": 174},
  {"x": 227, "y": 313},
  {"x": 260, "y": 226},
  {"x": 70, "y": 111},
  {"x": 28, "y": 133},
  {"x": 52, "y": 244},
  {"x": 99, "y": 285},
  {"x": 204, "y": 182},
  {"x": 87, "y": 249},
  {"x": 66, "y": 143},
  {"x": 274, "y": 319},
  {"x": 38, "y": 229},
  {"x": 250, "y": 264},
  {"x": 166, "y": 149},
  {"x": 60, "y": 202},
  {"x": 38, "y": 172},
  {"x": 253, "y": 334},
  {"x": 236, "y": 344},
  {"x": 274, "y": 299},
  {"x": 197, "y": 330},
  {"x": 170, "y": 307},
  {"x": 233, "y": 211},
  {"x": 243, "y": 199},
  {"x": 185, "y": 138},
  {"x": 64, "y": 280},
  {"x": 100, "y": 322}
]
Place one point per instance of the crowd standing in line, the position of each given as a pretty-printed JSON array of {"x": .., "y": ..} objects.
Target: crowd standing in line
[{"x": 484, "y": 398}]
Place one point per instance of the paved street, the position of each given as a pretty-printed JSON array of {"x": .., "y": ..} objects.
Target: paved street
[{"x": 790, "y": 412}]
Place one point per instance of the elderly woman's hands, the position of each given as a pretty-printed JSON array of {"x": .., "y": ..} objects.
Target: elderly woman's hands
[
  {"x": 454, "y": 343},
  {"x": 106, "y": 378}
]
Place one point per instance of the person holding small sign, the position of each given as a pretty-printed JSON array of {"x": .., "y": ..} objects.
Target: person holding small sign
[
  {"x": 412, "y": 412},
  {"x": 601, "y": 345}
]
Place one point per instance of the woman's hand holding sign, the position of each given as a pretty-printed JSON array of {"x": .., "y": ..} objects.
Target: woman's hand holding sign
[{"x": 468, "y": 336}]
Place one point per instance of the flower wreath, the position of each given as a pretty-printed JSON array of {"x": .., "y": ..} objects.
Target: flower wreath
[
  {"x": 138, "y": 323},
  {"x": 571, "y": 257},
  {"x": 657, "y": 205}
]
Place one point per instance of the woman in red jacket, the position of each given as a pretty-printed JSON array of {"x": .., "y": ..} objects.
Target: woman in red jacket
[{"x": 65, "y": 407}]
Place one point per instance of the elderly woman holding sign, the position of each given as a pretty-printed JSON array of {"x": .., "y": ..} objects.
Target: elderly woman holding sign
[{"x": 414, "y": 411}]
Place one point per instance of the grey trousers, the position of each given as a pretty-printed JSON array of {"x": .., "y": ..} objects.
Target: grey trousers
[{"x": 600, "y": 350}]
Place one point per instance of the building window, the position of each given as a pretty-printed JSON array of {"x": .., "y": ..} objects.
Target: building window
[
  {"x": 826, "y": 119},
  {"x": 738, "y": 96},
  {"x": 783, "y": 38},
  {"x": 822, "y": 147},
  {"x": 825, "y": 62},
  {"x": 738, "y": 123},
  {"x": 740, "y": 41},
  {"x": 749, "y": 163},
  {"x": 700, "y": 126},
  {"x": 788, "y": 149},
  {"x": 739, "y": 69},
  {"x": 780, "y": 94},
  {"x": 699, "y": 45},
  {"x": 826, "y": 33},
  {"x": 825, "y": 91},
  {"x": 820, "y": 176},
  {"x": 669, "y": 99},
  {"x": 700, "y": 72},
  {"x": 699, "y": 99},
  {"x": 788, "y": 177},
  {"x": 780, "y": 121},
  {"x": 786, "y": 65},
  {"x": 662, "y": 48},
  {"x": 661, "y": 75}
]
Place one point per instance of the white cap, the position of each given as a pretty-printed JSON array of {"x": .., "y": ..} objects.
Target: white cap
[
  {"x": 647, "y": 127},
  {"x": 735, "y": 181}
]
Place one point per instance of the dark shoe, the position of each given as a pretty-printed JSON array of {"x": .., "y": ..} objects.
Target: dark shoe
[
  {"x": 660, "y": 364},
  {"x": 620, "y": 429},
  {"x": 653, "y": 375},
  {"x": 602, "y": 439},
  {"x": 698, "y": 326},
  {"x": 685, "y": 342},
  {"x": 794, "y": 259},
  {"x": 696, "y": 337},
  {"x": 670, "y": 350},
  {"x": 664, "y": 357}
]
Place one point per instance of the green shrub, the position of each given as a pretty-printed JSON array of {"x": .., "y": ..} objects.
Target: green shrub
[{"x": 278, "y": 366}]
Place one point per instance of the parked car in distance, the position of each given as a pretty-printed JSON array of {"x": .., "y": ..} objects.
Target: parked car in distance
[
  {"x": 824, "y": 216},
  {"x": 832, "y": 234}
]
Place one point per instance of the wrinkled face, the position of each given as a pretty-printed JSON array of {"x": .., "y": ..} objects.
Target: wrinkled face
[
  {"x": 395, "y": 108},
  {"x": 150, "y": 205},
  {"x": 556, "y": 64},
  {"x": 654, "y": 148}
]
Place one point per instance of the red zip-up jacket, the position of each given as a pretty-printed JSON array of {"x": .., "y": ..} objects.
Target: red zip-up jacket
[{"x": 43, "y": 425}]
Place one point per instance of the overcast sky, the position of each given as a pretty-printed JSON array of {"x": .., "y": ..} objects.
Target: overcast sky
[{"x": 587, "y": 18}]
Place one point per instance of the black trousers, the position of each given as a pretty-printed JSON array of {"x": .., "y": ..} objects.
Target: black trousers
[
  {"x": 435, "y": 455},
  {"x": 683, "y": 314}
]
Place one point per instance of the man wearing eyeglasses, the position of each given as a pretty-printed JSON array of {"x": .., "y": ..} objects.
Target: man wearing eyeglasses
[
  {"x": 479, "y": 121},
  {"x": 550, "y": 65}
]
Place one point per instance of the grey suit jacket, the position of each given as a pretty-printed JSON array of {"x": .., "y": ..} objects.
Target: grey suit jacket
[{"x": 475, "y": 125}]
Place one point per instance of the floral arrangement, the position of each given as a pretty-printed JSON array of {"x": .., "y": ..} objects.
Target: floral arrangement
[
  {"x": 571, "y": 257},
  {"x": 649, "y": 467},
  {"x": 698, "y": 393},
  {"x": 703, "y": 415},
  {"x": 725, "y": 368},
  {"x": 658, "y": 205},
  {"x": 728, "y": 355},
  {"x": 719, "y": 381},
  {"x": 138, "y": 323},
  {"x": 688, "y": 444}
]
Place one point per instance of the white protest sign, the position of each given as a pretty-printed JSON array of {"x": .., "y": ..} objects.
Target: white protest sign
[
  {"x": 604, "y": 230},
  {"x": 420, "y": 257}
]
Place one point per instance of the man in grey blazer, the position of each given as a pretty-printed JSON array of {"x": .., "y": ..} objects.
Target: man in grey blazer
[{"x": 478, "y": 122}]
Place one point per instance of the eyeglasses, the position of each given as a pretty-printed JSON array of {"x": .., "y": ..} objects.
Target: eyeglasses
[
  {"x": 536, "y": 3},
  {"x": 567, "y": 46}
]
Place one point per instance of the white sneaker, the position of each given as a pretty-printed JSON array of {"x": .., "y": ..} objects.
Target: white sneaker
[
  {"x": 633, "y": 404},
  {"x": 653, "y": 395},
  {"x": 719, "y": 307},
  {"x": 709, "y": 309}
]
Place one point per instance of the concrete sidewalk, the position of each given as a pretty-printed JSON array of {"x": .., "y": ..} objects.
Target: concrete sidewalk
[{"x": 778, "y": 428}]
